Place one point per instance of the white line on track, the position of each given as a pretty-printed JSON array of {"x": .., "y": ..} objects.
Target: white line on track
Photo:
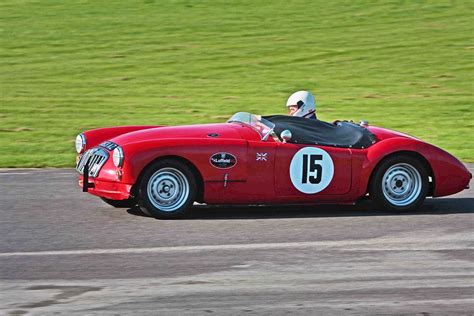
[{"x": 399, "y": 244}]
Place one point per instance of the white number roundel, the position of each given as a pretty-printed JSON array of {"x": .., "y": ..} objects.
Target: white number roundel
[{"x": 311, "y": 170}]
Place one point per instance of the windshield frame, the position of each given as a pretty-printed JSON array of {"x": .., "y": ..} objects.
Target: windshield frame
[{"x": 262, "y": 126}]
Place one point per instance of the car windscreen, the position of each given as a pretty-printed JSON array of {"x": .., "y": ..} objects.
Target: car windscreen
[{"x": 256, "y": 122}]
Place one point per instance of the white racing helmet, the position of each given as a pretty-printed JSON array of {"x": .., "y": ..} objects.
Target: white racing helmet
[{"x": 305, "y": 102}]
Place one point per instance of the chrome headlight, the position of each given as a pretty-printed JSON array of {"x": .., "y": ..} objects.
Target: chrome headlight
[
  {"x": 80, "y": 143},
  {"x": 118, "y": 157}
]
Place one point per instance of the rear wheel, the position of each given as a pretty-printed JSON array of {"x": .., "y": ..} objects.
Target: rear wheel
[
  {"x": 400, "y": 183},
  {"x": 167, "y": 189}
]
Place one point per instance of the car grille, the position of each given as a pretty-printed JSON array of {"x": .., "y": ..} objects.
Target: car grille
[{"x": 96, "y": 158}]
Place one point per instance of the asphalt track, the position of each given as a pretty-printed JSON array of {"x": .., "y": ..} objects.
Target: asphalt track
[{"x": 66, "y": 252}]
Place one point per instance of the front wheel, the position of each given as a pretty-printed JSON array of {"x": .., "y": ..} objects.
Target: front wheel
[
  {"x": 400, "y": 183},
  {"x": 167, "y": 189}
]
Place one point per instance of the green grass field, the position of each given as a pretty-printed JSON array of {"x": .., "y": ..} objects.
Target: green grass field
[{"x": 67, "y": 66}]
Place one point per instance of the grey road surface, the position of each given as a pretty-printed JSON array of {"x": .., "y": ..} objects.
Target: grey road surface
[{"x": 66, "y": 252}]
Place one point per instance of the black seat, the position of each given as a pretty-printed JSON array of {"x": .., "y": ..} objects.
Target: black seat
[{"x": 316, "y": 132}]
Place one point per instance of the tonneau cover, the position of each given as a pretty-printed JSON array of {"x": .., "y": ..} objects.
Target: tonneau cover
[{"x": 308, "y": 131}]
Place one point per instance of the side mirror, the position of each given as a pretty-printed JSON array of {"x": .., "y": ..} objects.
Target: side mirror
[{"x": 286, "y": 135}]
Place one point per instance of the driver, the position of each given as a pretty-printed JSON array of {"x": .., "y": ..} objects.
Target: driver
[{"x": 302, "y": 104}]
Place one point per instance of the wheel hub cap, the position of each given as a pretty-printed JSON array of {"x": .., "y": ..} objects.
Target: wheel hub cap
[
  {"x": 168, "y": 189},
  {"x": 401, "y": 184}
]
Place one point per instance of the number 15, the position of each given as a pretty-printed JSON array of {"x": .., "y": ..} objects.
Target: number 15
[{"x": 310, "y": 165}]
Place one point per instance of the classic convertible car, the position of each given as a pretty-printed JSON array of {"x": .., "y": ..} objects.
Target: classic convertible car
[{"x": 262, "y": 160}]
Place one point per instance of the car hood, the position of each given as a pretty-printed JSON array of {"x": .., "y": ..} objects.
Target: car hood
[{"x": 222, "y": 130}]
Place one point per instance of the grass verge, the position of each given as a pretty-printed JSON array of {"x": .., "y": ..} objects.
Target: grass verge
[{"x": 69, "y": 66}]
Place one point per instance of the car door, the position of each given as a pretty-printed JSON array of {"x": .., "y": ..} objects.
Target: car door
[{"x": 308, "y": 173}]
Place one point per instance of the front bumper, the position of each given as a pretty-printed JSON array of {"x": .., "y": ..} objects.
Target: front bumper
[
  {"x": 99, "y": 176},
  {"x": 107, "y": 189}
]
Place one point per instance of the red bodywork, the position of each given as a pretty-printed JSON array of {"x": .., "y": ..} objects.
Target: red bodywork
[{"x": 252, "y": 180}]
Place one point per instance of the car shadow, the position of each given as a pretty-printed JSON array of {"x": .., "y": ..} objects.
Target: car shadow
[{"x": 440, "y": 206}]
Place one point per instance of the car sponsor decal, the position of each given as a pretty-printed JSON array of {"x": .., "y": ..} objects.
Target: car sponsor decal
[
  {"x": 223, "y": 160},
  {"x": 311, "y": 170}
]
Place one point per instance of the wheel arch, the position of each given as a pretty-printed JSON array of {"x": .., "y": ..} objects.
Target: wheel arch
[
  {"x": 413, "y": 154},
  {"x": 192, "y": 167}
]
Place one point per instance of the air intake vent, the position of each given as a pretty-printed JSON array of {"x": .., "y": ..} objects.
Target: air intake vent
[{"x": 109, "y": 145}]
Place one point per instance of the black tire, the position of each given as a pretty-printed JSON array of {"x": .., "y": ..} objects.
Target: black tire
[
  {"x": 399, "y": 183},
  {"x": 167, "y": 189},
  {"x": 129, "y": 203}
]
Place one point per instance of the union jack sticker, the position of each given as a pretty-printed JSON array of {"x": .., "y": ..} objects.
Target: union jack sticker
[{"x": 261, "y": 157}]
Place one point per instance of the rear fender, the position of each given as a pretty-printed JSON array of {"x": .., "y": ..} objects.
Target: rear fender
[{"x": 449, "y": 174}]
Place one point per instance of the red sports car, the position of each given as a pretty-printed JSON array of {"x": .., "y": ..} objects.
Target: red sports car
[{"x": 262, "y": 160}]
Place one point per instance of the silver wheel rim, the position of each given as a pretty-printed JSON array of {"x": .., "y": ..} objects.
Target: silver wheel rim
[
  {"x": 168, "y": 189},
  {"x": 401, "y": 184}
]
